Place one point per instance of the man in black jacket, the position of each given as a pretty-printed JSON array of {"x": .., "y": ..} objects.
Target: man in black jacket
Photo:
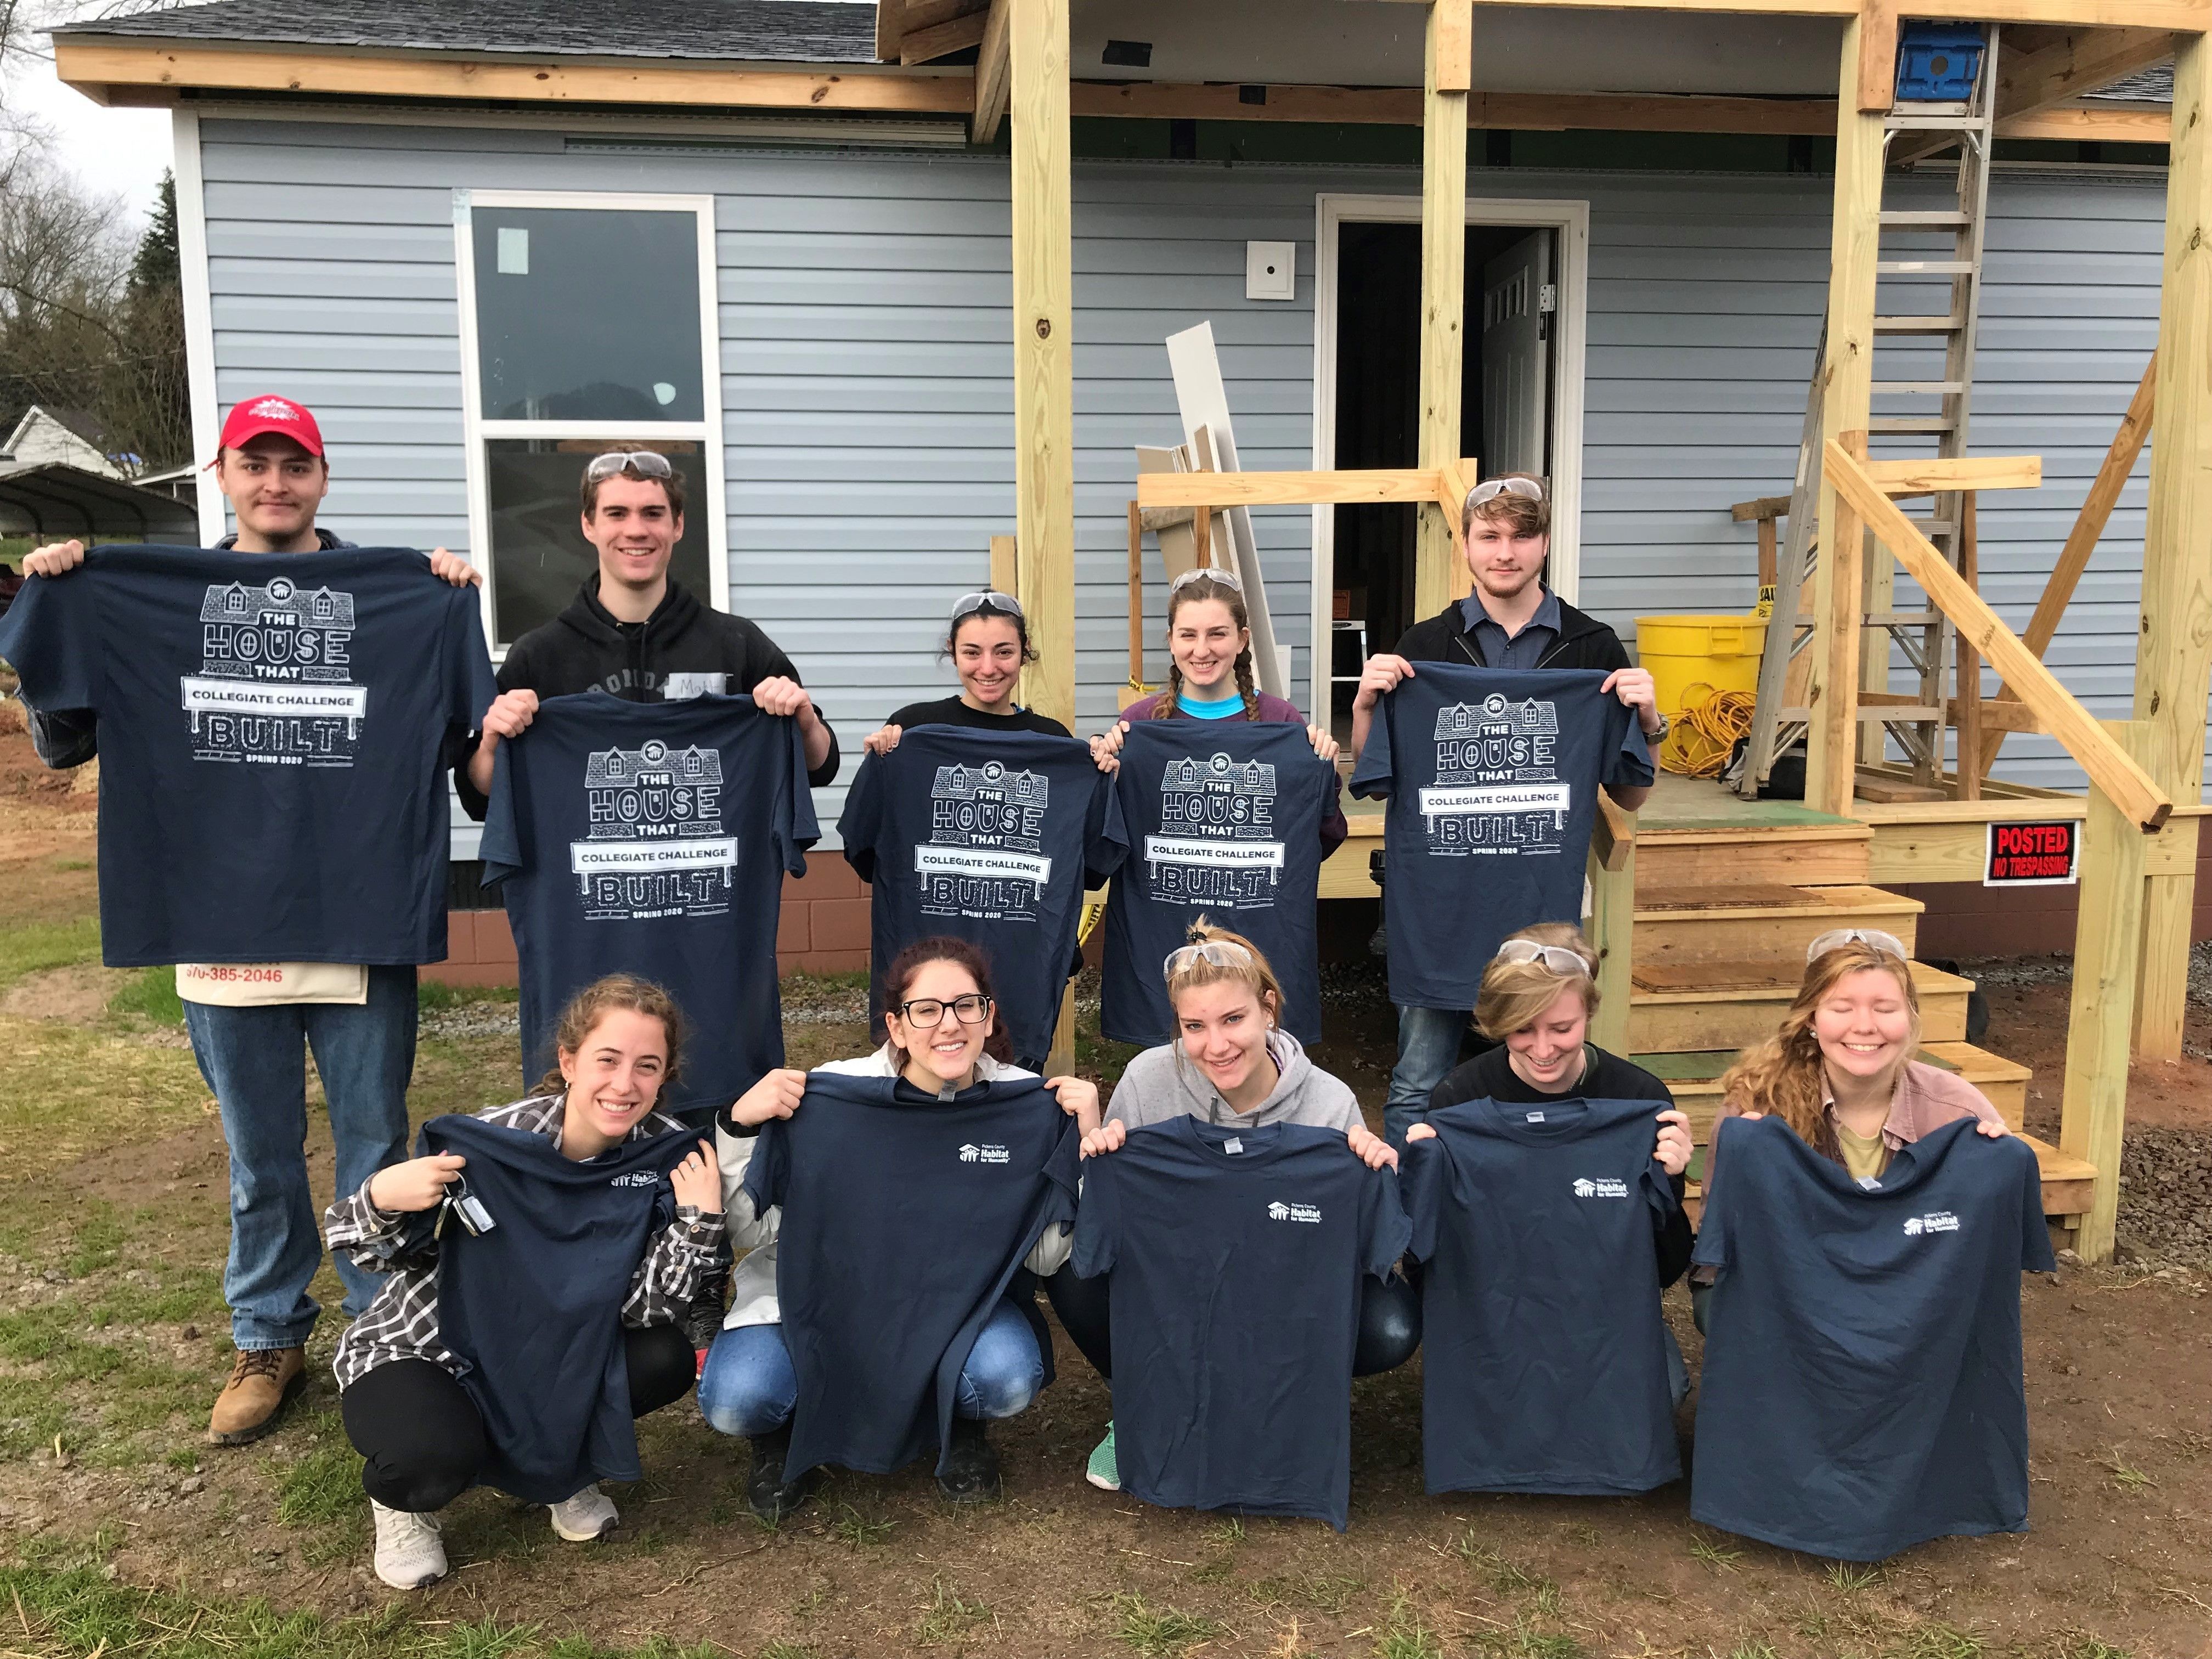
[
  {"x": 1511, "y": 620},
  {"x": 635, "y": 631}
]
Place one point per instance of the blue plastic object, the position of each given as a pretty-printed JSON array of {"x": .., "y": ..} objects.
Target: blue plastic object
[{"x": 1936, "y": 62}]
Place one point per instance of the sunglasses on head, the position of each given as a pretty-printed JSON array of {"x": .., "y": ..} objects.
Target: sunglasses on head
[
  {"x": 1836, "y": 938},
  {"x": 1491, "y": 488},
  {"x": 643, "y": 462},
  {"x": 1217, "y": 951},
  {"x": 989, "y": 599},
  {"x": 1557, "y": 957},
  {"x": 1226, "y": 578}
]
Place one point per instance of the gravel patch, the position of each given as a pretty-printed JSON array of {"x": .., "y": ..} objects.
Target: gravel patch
[
  {"x": 473, "y": 1020},
  {"x": 2166, "y": 1196}
]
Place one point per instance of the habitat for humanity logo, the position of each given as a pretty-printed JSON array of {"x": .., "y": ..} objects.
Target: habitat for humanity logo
[
  {"x": 1282, "y": 1211},
  {"x": 656, "y": 846},
  {"x": 1216, "y": 843},
  {"x": 275, "y": 683},
  {"x": 1607, "y": 1188},
  {"x": 972, "y": 1154},
  {"x": 1497, "y": 788},
  {"x": 1938, "y": 1221},
  {"x": 985, "y": 857},
  {"x": 634, "y": 1178}
]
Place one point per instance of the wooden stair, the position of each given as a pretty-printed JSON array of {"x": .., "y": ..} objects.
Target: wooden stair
[{"x": 1724, "y": 912}]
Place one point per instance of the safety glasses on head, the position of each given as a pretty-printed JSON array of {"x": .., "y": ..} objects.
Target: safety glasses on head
[
  {"x": 1227, "y": 578},
  {"x": 1836, "y": 938},
  {"x": 1489, "y": 488},
  {"x": 989, "y": 599},
  {"x": 1217, "y": 951},
  {"x": 1557, "y": 957},
  {"x": 643, "y": 462}
]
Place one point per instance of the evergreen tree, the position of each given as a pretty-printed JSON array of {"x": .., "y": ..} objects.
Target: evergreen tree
[{"x": 155, "y": 264}]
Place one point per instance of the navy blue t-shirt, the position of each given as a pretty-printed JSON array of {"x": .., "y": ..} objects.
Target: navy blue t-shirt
[
  {"x": 1220, "y": 819},
  {"x": 982, "y": 836},
  {"x": 1544, "y": 1355},
  {"x": 1236, "y": 1257},
  {"x": 1862, "y": 1388},
  {"x": 532, "y": 1309},
  {"x": 653, "y": 838},
  {"x": 904, "y": 1222},
  {"x": 274, "y": 730},
  {"x": 1493, "y": 777}
]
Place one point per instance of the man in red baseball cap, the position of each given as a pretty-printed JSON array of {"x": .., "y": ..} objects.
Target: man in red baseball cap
[{"x": 271, "y": 464}]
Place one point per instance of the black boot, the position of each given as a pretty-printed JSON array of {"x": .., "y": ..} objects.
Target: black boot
[
  {"x": 768, "y": 1494},
  {"x": 969, "y": 1473}
]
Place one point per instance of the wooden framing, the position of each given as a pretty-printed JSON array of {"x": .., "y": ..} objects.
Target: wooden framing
[
  {"x": 1447, "y": 56},
  {"x": 2048, "y": 75},
  {"x": 2110, "y": 768},
  {"x": 1613, "y": 921},
  {"x": 992, "y": 70}
]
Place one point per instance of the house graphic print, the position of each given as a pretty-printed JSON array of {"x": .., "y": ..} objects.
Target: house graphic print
[
  {"x": 1217, "y": 844},
  {"x": 984, "y": 858},
  {"x": 655, "y": 846},
  {"x": 1497, "y": 788},
  {"x": 275, "y": 685}
]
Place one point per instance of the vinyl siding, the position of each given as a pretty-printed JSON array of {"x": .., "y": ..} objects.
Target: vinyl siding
[{"x": 868, "y": 406}]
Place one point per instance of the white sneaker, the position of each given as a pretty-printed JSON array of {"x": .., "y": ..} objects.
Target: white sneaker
[
  {"x": 410, "y": 1552},
  {"x": 586, "y": 1515}
]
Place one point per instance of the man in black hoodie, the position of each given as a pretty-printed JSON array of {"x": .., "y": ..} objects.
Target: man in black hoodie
[
  {"x": 635, "y": 631},
  {"x": 1511, "y": 620}
]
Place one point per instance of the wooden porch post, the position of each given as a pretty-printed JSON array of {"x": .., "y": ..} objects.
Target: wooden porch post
[
  {"x": 2175, "y": 655},
  {"x": 1445, "y": 84},
  {"x": 1846, "y": 395},
  {"x": 1044, "y": 365}
]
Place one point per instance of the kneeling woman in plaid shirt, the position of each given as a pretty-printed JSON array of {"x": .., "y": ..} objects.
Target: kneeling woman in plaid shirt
[{"x": 406, "y": 1409}]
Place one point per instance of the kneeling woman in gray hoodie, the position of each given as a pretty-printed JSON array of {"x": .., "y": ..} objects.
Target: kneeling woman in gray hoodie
[{"x": 1230, "y": 1062}]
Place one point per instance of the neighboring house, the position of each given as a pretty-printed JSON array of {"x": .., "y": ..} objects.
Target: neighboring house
[{"x": 66, "y": 435}]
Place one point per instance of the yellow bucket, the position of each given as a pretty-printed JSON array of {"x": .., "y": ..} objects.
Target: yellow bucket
[{"x": 1682, "y": 652}]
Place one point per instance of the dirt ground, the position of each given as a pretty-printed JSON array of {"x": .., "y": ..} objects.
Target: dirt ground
[{"x": 125, "y": 1532}]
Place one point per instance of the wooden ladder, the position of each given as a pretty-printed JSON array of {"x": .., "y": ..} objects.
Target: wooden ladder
[{"x": 1925, "y": 637}]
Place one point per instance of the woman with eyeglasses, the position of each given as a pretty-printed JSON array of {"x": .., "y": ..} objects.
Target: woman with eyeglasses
[
  {"x": 988, "y": 641},
  {"x": 1231, "y": 1063},
  {"x": 1841, "y": 1069},
  {"x": 1209, "y": 675},
  {"x": 944, "y": 1042}
]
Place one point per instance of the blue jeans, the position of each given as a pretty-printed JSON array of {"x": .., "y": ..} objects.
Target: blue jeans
[
  {"x": 1428, "y": 1046},
  {"x": 254, "y": 1060},
  {"x": 750, "y": 1389}
]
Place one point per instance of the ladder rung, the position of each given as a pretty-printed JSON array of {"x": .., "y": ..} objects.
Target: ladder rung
[
  {"x": 1939, "y": 120},
  {"x": 1927, "y": 425},
  {"x": 1919, "y": 388},
  {"x": 1901, "y": 218},
  {"x": 1925, "y": 267},
  {"x": 1904, "y": 713},
  {"x": 1932, "y": 528},
  {"x": 1884, "y": 619},
  {"x": 1951, "y": 324}
]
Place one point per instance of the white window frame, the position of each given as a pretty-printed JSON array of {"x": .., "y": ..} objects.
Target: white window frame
[
  {"x": 1570, "y": 218},
  {"x": 706, "y": 492}
]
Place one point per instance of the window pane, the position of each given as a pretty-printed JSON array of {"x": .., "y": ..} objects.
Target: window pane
[
  {"x": 587, "y": 314},
  {"x": 538, "y": 554}
]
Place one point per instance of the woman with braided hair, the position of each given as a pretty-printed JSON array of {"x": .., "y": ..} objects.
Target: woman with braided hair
[{"x": 1210, "y": 678}]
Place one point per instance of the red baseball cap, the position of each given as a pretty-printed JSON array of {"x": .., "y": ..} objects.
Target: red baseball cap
[{"x": 252, "y": 416}]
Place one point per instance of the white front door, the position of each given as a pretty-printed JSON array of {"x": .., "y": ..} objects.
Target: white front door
[{"x": 1516, "y": 362}]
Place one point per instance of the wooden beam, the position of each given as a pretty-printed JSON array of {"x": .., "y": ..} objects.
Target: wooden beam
[
  {"x": 2107, "y": 938},
  {"x": 1968, "y": 713},
  {"x": 1612, "y": 923},
  {"x": 890, "y": 23},
  {"x": 1833, "y": 689},
  {"x": 1937, "y": 477},
  {"x": 993, "y": 76},
  {"x": 552, "y": 79},
  {"x": 1044, "y": 366},
  {"x": 2088, "y": 124},
  {"x": 2162, "y": 989},
  {"x": 1409, "y": 483},
  {"x": 1769, "y": 507},
  {"x": 1877, "y": 76},
  {"x": 2110, "y": 767},
  {"x": 941, "y": 40},
  {"x": 2055, "y": 72},
  {"x": 1444, "y": 276},
  {"x": 2073, "y": 560}
]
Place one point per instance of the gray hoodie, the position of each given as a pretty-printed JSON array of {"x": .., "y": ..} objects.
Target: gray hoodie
[{"x": 1164, "y": 1083}]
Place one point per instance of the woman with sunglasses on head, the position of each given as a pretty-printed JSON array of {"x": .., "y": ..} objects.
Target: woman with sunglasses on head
[
  {"x": 944, "y": 1042},
  {"x": 1231, "y": 1063},
  {"x": 1840, "y": 1070},
  {"x": 1209, "y": 675}
]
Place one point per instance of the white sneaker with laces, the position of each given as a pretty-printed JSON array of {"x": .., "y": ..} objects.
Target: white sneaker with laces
[
  {"x": 411, "y": 1554},
  {"x": 584, "y": 1517}
]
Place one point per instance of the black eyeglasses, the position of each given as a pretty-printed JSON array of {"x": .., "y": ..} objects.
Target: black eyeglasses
[
  {"x": 971, "y": 1010},
  {"x": 643, "y": 462}
]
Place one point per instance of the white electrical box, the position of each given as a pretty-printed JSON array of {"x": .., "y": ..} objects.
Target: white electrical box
[{"x": 1271, "y": 270}]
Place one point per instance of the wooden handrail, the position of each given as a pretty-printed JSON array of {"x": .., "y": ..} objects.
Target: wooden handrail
[
  {"x": 1613, "y": 834},
  {"x": 2110, "y": 767}
]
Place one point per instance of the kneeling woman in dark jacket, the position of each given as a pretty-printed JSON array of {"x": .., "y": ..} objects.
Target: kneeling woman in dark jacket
[{"x": 408, "y": 1411}]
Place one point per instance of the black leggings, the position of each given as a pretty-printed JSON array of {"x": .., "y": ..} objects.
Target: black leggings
[
  {"x": 1389, "y": 1321},
  {"x": 424, "y": 1439}
]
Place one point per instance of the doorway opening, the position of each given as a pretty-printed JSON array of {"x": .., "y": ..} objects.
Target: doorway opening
[{"x": 1520, "y": 401}]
